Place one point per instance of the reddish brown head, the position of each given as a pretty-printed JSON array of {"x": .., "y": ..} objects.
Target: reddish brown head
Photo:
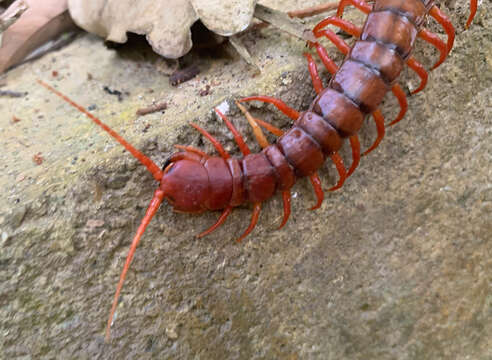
[{"x": 185, "y": 182}]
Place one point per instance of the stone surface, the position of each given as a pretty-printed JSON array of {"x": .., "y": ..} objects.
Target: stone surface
[{"x": 396, "y": 265}]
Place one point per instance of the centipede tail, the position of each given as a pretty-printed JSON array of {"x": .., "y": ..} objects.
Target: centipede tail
[{"x": 193, "y": 181}]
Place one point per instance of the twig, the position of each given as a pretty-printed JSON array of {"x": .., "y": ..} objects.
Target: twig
[
  {"x": 12, "y": 94},
  {"x": 311, "y": 11},
  {"x": 152, "y": 108}
]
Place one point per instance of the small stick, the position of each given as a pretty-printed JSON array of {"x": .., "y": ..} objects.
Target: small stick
[
  {"x": 12, "y": 94},
  {"x": 152, "y": 109}
]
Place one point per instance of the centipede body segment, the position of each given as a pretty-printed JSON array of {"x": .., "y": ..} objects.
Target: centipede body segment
[{"x": 193, "y": 181}]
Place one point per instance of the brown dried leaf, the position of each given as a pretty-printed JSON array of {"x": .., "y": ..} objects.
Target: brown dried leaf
[{"x": 42, "y": 21}]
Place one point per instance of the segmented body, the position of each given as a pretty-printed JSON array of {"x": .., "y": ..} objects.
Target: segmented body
[{"x": 193, "y": 181}]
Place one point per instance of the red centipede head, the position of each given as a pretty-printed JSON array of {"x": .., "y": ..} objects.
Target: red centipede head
[{"x": 185, "y": 182}]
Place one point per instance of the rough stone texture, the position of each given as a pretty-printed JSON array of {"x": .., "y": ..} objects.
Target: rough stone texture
[{"x": 397, "y": 265}]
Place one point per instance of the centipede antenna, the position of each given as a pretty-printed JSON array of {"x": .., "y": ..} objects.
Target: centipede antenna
[
  {"x": 144, "y": 160},
  {"x": 149, "y": 214}
]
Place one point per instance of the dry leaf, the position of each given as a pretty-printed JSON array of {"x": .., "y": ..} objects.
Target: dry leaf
[
  {"x": 42, "y": 21},
  {"x": 165, "y": 23},
  {"x": 11, "y": 15}
]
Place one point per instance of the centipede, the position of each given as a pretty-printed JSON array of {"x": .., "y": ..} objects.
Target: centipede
[{"x": 193, "y": 181}]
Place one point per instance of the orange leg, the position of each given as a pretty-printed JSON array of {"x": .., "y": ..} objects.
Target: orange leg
[
  {"x": 313, "y": 71},
  {"x": 253, "y": 122},
  {"x": 419, "y": 69},
  {"x": 359, "y": 4},
  {"x": 379, "y": 120},
  {"x": 473, "y": 11},
  {"x": 355, "y": 144},
  {"x": 214, "y": 141},
  {"x": 271, "y": 128},
  {"x": 237, "y": 136},
  {"x": 191, "y": 149},
  {"x": 402, "y": 99},
  {"x": 442, "y": 19},
  {"x": 327, "y": 61},
  {"x": 219, "y": 222},
  {"x": 286, "y": 199},
  {"x": 254, "y": 221},
  {"x": 342, "y": 172},
  {"x": 340, "y": 23},
  {"x": 318, "y": 190},
  {"x": 279, "y": 104},
  {"x": 437, "y": 42}
]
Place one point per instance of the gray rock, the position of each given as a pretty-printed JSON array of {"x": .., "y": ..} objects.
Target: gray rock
[{"x": 396, "y": 265}]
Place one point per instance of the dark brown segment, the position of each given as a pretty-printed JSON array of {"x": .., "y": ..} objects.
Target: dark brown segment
[
  {"x": 341, "y": 112},
  {"x": 361, "y": 84},
  {"x": 379, "y": 57},
  {"x": 238, "y": 192},
  {"x": 285, "y": 174},
  {"x": 259, "y": 177},
  {"x": 301, "y": 151},
  {"x": 220, "y": 180},
  {"x": 321, "y": 131},
  {"x": 391, "y": 29},
  {"x": 414, "y": 10}
]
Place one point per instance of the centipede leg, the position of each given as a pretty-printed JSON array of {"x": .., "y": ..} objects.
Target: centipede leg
[
  {"x": 214, "y": 141},
  {"x": 342, "y": 172},
  {"x": 237, "y": 135},
  {"x": 437, "y": 42},
  {"x": 254, "y": 221},
  {"x": 219, "y": 222},
  {"x": 271, "y": 128},
  {"x": 313, "y": 71},
  {"x": 442, "y": 19},
  {"x": 419, "y": 69},
  {"x": 359, "y": 4},
  {"x": 260, "y": 137},
  {"x": 355, "y": 145},
  {"x": 379, "y": 120},
  {"x": 340, "y": 23},
  {"x": 279, "y": 104},
  {"x": 318, "y": 190},
  {"x": 402, "y": 99},
  {"x": 286, "y": 200},
  {"x": 473, "y": 11},
  {"x": 325, "y": 58},
  {"x": 192, "y": 149}
]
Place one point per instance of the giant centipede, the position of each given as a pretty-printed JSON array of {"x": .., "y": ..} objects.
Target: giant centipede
[{"x": 193, "y": 181}]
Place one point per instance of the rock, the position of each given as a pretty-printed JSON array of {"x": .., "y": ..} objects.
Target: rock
[{"x": 396, "y": 265}]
